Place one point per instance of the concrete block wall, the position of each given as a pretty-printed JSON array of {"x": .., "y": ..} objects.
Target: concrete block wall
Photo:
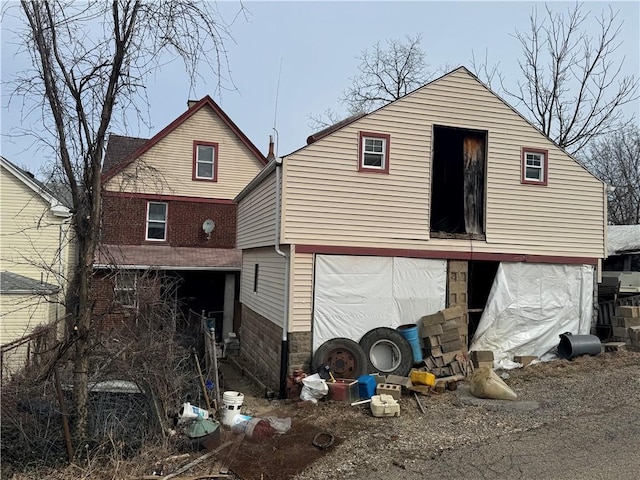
[
  {"x": 300, "y": 351},
  {"x": 260, "y": 343},
  {"x": 457, "y": 287}
]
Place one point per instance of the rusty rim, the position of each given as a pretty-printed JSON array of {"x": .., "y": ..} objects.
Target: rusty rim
[{"x": 342, "y": 362}]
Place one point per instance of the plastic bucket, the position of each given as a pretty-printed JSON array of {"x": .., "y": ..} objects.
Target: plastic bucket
[
  {"x": 189, "y": 412},
  {"x": 410, "y": 332},
  {"x": 231, "y": 405},
  {"x": 573, "y": 345}
]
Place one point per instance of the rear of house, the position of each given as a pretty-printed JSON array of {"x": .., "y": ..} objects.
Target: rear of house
[
  {"x": 445, "y": 197},
  {"x": 169, "y": 222}
]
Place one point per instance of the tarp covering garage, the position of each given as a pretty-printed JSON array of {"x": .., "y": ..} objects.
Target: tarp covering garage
[
  {"x": 355, "y": 294},
  {"x": 530, "y": 305}
]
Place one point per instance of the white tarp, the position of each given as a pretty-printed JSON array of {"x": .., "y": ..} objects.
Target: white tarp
[
  {"x": 530, "y": 305},
  {"x": 355, "y": 294}
]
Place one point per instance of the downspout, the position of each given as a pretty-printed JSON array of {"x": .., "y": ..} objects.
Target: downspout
[{"x": 284, "y": 347}]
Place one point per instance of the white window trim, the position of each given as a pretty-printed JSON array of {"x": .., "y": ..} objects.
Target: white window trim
[
  {"x": 540, "y": 168},
  {"x": 213, "y": 161},
  {"x": 166, "y": 216},
  {"x": 382, "y": 154}
]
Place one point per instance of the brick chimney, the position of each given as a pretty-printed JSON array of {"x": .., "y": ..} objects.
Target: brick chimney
[{"x": 271, "y": 155}]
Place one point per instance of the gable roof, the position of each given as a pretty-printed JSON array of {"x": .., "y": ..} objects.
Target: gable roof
[
  {"x": 56, "y": 205},
  {"x": 204, "y": 102},
  {"x": 348, "y": 121},
  {"x": 14, "y": 283}
]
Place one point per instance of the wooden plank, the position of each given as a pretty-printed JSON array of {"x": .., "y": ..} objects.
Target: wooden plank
[{"x": 196, "y": 461}]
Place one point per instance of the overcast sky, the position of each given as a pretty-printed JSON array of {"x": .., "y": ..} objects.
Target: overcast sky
[{"x": 317, "y": 44}]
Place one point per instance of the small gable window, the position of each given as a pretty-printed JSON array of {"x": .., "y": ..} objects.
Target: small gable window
[
  {"x": 534, "y": 166},
  {"x": 374, "y": 152},
  {"x": 205, "y": 161},
  {"x": 156, "y": 221}
]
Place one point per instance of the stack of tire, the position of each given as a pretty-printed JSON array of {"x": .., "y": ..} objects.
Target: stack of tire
[{"x": 381, "y": 350}]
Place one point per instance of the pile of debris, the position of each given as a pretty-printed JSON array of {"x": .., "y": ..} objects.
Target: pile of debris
[
  {"x": 625, "y": 327},
  {"x": 444, "y": 335}
]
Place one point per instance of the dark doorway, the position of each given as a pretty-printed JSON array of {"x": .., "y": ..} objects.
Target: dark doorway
[
  {"x": 458, "y": 181},
  {"x": 481, "y": 277}
]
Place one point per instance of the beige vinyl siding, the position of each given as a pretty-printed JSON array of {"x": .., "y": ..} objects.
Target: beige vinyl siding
[
  {"x": 167, "y": 167},
  {"x": 20, "y": 314},
  {"x": 268, "y": 301},
  {"x": 256, "y": 215},
  {"x": 30, "y": 234},
  {"x": 301, "y": 292},
  {"x": 328, "y": 202}
]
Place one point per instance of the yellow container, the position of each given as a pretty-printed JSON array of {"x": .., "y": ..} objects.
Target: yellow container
[{"x": 422, "y": 378}]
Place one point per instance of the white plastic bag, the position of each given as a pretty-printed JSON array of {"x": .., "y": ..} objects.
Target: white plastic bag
[{"x": 313, "y": 388}]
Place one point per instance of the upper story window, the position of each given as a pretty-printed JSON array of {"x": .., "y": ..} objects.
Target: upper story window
[
  {"x": 205, "y": 161},
  {"x": 374, "y": 152},
  {"x": 156, "y": 221},
  {"x": 534, "y": 166}
]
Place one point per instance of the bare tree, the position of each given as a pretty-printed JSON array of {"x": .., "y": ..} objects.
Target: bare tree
[
  {"x": 615, "y": 159},
  {"x": 572, "y": 88},
  {"x": 90, "y": 63},
  {"x": 385, "y": 73}
]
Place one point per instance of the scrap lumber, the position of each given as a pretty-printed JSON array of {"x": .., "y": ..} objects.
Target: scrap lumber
[{"x": 197, "y": 461}]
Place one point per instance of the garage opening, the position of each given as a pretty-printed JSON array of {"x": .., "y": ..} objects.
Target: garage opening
[
  {"x": 481, "y": 277},
  {"x": 458, "y": 182}
]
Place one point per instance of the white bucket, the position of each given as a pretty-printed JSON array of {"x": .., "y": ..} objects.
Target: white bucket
[
  {"x": 190, "y": 412},
  {"x": 232, "y": 403}
]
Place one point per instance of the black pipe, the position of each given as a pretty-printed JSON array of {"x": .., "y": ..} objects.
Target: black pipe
[{"x": 284, "y": 366}]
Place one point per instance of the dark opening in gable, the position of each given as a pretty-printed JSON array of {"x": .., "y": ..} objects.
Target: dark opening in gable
[{"x": 458, "y": 181}]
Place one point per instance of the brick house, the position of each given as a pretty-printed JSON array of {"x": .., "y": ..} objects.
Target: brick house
[{"x": 169, "y": 222}]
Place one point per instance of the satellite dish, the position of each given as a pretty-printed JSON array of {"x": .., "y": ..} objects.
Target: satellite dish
[{"x": 208, "y": 227}]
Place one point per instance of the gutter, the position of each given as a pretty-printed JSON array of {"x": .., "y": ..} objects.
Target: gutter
[{"x": 284, "y": 346}]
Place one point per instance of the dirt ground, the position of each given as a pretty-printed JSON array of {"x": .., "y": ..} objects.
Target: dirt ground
[{"x": 365, "y": 445}]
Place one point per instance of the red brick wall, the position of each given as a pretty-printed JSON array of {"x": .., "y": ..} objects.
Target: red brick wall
[{"x": 124, "y": 222}]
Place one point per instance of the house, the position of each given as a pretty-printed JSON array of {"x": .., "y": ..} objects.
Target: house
[
  {"x": 622, "y": 266},
  {"x": 447, "y": 196},
  {"x": 169, "y": 221},
  {"x": 38, "y": 259}
]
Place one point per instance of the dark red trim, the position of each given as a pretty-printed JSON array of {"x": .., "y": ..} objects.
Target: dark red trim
[
  {"x": 443, "y": 254},
  {"x": 387, "y": 138},
  {"x": 208, "y": 101},
  {"x": 194, "y": 177},
  {"x": 523, "y": 166},
  {"x": 166, "y": 198}
]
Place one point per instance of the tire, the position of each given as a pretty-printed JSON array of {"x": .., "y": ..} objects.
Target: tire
[
  {"x": 387, "y": 352},
  {"x": 344, "y": 356}
]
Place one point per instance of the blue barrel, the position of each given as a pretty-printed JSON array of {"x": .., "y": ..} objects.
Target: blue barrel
[{"x": 410, "y": 332}]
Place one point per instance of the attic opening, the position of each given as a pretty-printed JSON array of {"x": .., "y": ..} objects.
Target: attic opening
[{"x": 458, "y": 182}]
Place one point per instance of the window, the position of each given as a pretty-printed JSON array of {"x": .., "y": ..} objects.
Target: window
[
  {"x": 156, "y": 221},
  {"x": 374, "y": 152},
  {"x": 256, "y": 269},
  {"x": 124, "y": 288},
  {"x": 534, "y": 166},
  {"x": 205, "y": 161}
]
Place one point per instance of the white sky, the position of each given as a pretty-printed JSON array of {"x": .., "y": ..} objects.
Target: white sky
[{"x": 317, "y": 43}]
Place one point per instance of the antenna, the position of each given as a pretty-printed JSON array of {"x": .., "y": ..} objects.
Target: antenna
[{"x": 275, "y": 113}]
